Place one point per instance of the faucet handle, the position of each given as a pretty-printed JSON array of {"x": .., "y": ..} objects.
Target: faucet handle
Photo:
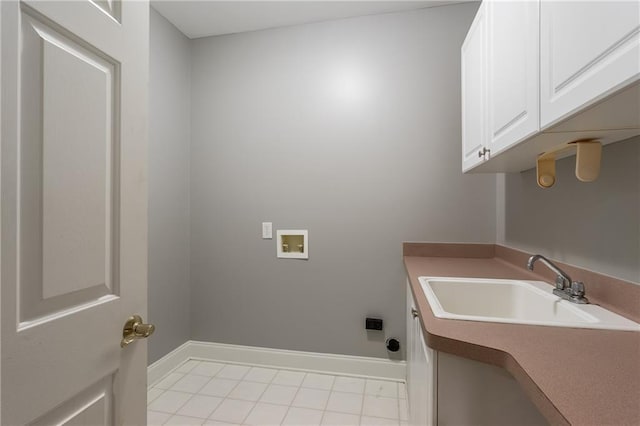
[
  {"x": 577, "y": 289},
  {"x": 562, "y": 282}
]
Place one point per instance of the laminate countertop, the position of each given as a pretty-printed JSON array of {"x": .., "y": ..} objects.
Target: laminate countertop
[{"x": 574, "y": 376}]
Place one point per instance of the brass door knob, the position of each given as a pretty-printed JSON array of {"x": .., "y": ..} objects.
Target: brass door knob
[{"x": 134, "y": 329}]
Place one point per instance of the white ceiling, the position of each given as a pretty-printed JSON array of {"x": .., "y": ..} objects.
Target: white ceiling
[{"x": 207, "y": 18}]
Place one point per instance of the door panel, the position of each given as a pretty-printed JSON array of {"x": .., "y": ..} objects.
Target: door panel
[
  {"x": 73, "y": 182},
  {"x": 93, "y": 406},
  {"x": 67, "y": 186},
  {"x": 77, "y": 215}
]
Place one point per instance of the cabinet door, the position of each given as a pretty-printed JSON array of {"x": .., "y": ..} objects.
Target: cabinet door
[
  {"x": 427, "y": 362},
  {"x": 421, "y": 371},
  {"x": 474, "y": 82},
  {"x": 478, "y": 394},
  {"x": 588, "y": 50},
  {"x": 420, "y": 410},
  {"x": 513, "y": 93},
  {"x": 412, "y": 390}
]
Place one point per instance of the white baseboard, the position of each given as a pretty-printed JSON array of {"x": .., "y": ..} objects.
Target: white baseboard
[
  {"x": 278, "y": 358},
  {"x": 167, "y": 363}
]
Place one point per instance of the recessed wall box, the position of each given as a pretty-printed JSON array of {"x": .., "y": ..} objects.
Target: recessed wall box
[{"x": 292, "y": 244}]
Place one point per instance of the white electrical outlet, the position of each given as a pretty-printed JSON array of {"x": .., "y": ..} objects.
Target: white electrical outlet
[{"x": 267, "y": 230}]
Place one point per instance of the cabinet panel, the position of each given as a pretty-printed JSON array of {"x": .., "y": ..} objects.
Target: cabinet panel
[
  {"x": 588, "y": 50},
  {"x": 473, "y": 393},
  {"x": 421, "y": 371},
  {"x": 474, "y": 82},
  {"x": 411, "y": 344},
  {"x": 513, "y": 89},
  {"x": 427, "y": 372},
  {"x": 420, "y": 409}
]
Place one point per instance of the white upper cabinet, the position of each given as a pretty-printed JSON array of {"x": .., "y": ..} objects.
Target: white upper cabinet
[
  {"x": 588, "y": 50},
  {"x": 539, "y": 74},
  {"x": 474, "y": 86},
  {"x": 513, "y": 55}
]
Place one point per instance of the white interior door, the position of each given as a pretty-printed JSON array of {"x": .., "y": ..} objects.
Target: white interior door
[{"x": 73, "y": 210}]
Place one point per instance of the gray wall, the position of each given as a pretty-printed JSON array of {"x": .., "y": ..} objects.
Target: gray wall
[
  {"x": 350, "y": 129},
  {"x": 170, "y": 108},
  {"x": 592, "y": 225}
]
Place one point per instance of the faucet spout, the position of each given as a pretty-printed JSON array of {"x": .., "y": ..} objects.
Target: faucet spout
[
  {"x": 563, "y": 280},
  {"x": 565, "y": 286}
]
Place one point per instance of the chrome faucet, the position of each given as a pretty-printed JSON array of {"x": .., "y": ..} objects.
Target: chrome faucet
[{"x": 566, "y": 288}]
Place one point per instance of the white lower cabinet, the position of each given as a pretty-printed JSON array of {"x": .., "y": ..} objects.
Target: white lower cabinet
[
  {"x": 421, "y": 371},
  {"x": 448, "y": 390}
]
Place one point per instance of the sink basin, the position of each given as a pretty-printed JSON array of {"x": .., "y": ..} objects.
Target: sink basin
[{"x": 515, "y": 302}]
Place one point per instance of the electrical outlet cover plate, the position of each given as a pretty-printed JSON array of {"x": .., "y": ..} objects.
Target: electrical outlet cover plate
[
  {"x": 267, "y": 230},
  {"x": 292, "y": 244}
]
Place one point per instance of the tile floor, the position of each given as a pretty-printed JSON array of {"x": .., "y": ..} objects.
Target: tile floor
[{"x": 211, "y": 393}]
